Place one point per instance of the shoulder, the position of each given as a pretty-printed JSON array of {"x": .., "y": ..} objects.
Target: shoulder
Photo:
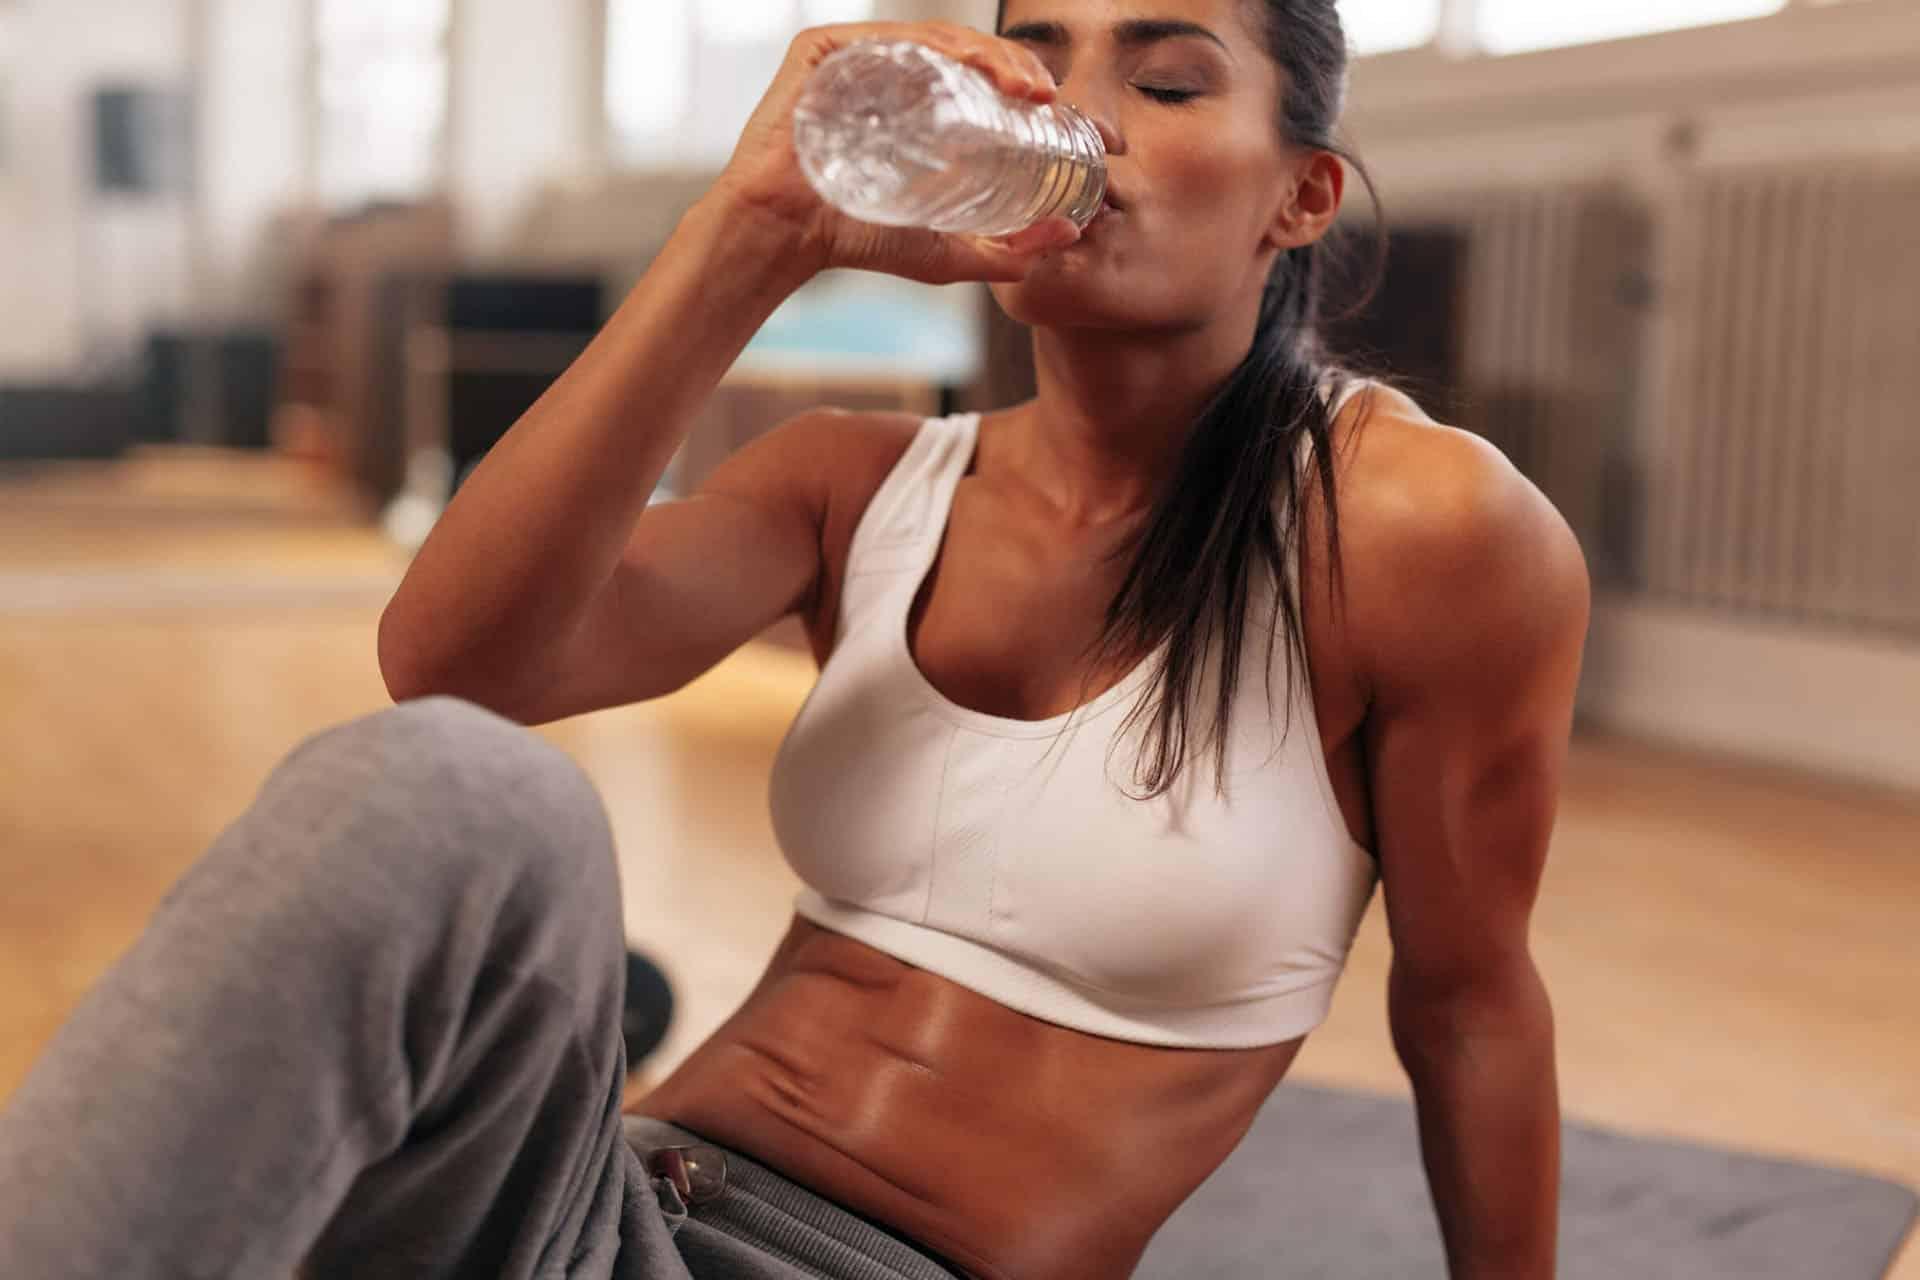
[
  {"x": 824, "y": 466},
  {"x": 819, "y": 458},
  {"x": 1455, "y": 562}
]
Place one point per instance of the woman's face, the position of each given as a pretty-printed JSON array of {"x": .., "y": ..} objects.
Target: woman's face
[{"x": 1189, "y": 101}]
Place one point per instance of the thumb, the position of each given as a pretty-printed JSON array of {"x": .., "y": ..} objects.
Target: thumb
[{"x": 1001, "y": 259}]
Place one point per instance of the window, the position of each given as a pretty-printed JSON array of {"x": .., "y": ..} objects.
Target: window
[
  {"x": 7, "y": 41},
  {"x": 1382, "y": 26},
  {"x": 682, "y": 77},
  {"x": 383, "y": 98},
  {"x": 743, "y": 21},
  {"x": 1516, "y": 26},
  {"x": 649, "y": 74}
]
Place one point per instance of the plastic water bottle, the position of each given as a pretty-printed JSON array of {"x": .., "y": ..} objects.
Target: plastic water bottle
[{"x": 896, "y": 133}]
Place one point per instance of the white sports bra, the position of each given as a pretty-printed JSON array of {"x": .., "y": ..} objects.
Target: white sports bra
[{"x": 980, "y": 849}]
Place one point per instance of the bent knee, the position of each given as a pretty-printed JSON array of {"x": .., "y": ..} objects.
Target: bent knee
[{"x": 449, "y": 796}]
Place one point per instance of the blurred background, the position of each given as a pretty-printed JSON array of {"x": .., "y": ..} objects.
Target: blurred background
[{"x": 275, "y": 273}]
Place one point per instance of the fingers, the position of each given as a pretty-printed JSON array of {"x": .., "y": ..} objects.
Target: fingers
[
  {"x": 1014, "y": 69},
  {"x": 1006, "y": 260},
  {"x": 1042, "y": 236},
  {"x": 933, "y": 257}
]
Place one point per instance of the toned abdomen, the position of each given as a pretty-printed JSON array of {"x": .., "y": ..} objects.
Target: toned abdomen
[{"x": 1010, "y": 1146}]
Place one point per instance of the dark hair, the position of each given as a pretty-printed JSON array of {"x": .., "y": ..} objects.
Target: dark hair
[{"x": 1190, "y": 586}]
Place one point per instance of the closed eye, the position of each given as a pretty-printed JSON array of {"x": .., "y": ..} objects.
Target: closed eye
[{"x": 1174, "y": 96}]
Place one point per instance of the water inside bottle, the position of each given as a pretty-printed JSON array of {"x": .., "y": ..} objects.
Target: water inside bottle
[
  {"x": 918, "y": 143},
  {"x": 1023, "y": 184}
]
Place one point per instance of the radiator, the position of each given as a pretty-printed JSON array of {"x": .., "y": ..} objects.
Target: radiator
[
  {"x": 1785, "y": 467},
  {"x": 1554, "y": 310}
]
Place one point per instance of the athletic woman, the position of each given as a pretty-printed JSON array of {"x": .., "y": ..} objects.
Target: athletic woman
[{"x": 1130, "y": 697}]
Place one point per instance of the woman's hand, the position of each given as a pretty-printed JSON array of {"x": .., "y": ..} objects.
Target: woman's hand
[{"x": 764, "y": 178}]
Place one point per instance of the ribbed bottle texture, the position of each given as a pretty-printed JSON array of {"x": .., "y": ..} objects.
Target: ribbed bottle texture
[{"x": 896, "y": 133}]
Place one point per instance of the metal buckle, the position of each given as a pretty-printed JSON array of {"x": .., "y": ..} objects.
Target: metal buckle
[{"x": 698, "y": 1173}]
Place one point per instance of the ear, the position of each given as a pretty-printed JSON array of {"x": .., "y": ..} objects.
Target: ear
[{"x": 1319, "y": 185}]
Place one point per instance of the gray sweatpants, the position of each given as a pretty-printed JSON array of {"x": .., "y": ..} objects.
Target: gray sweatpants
[{"x": 376, "y": 1032}]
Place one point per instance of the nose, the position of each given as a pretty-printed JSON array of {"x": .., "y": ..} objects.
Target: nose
[
  {"x": 1110, "y": 137},
  {"x": 1092, "y": 104}
]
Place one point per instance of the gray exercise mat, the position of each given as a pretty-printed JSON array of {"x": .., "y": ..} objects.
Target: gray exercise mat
[{"x": 1329, "y": 1184}]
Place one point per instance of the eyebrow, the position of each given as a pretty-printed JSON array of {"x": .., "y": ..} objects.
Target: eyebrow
[{"x": 1132, "y": 34}]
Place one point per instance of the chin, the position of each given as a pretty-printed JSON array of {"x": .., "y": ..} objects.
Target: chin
[{"x": 1057, "y": 295}]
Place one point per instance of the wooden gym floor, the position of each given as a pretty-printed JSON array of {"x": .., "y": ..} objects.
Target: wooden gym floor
[{"x": 1733, "y": 952}]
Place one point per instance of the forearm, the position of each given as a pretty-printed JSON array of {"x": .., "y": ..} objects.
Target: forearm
[
  {"x": 540, "y": 526},
  {"x": 1483, "y": 1073}
]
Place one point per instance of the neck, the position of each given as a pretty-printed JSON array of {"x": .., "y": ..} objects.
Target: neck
[{"x": 1103, "y": 436}]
